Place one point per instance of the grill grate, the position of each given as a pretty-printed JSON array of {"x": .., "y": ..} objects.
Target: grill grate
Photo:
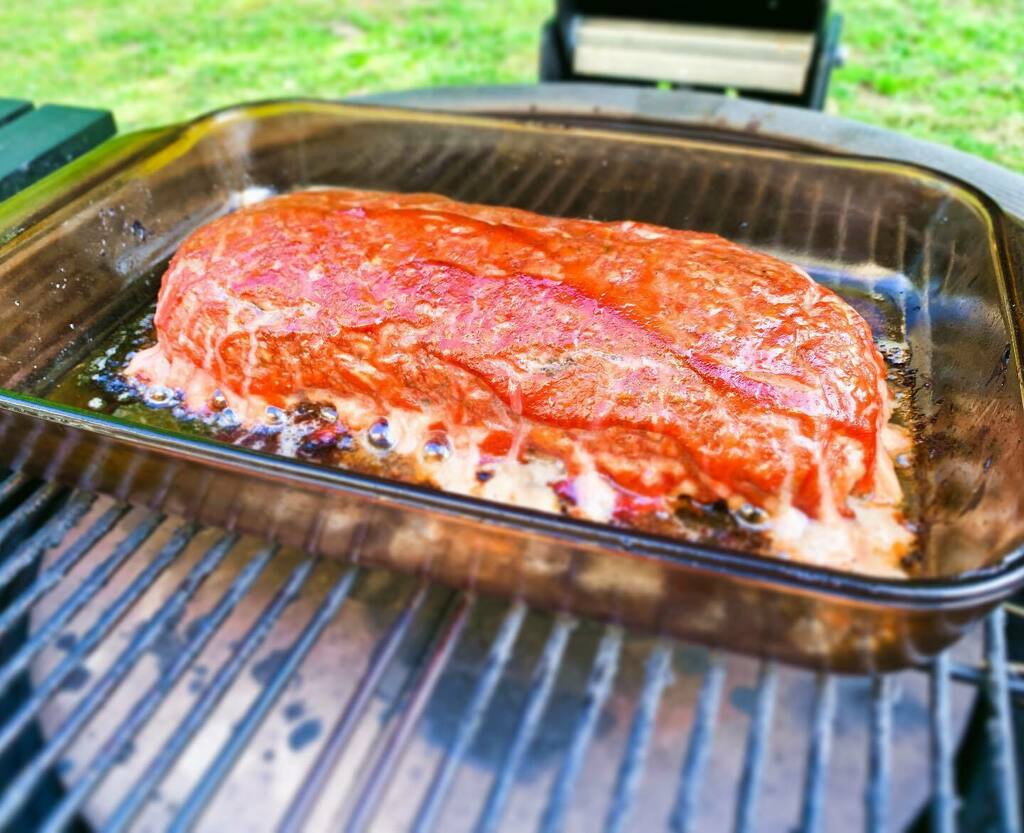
[{"x": 445, "y": 711}]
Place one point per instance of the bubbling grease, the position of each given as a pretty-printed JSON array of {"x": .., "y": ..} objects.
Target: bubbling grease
[{"x": 410, "y": 442}]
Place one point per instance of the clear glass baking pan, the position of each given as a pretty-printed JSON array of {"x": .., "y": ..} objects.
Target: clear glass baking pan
[{"x": 931, "y": 263}]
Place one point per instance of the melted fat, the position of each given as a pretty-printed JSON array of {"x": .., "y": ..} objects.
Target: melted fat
[{"x": 871, "y": 542}]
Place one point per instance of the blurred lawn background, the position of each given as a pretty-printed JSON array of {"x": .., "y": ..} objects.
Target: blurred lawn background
[{"x": 947, "y": 70}]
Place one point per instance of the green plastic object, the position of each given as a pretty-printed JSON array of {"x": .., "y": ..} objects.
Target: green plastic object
[
  {"x": 11, "y": 108},
  {"x": 36, "y": 142}
]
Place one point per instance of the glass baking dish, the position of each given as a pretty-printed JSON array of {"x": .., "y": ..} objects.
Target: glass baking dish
[{"x": 931, "y": 263}]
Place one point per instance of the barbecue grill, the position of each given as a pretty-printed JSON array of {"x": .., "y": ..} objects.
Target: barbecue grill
[{"x": 158, "y": 674}]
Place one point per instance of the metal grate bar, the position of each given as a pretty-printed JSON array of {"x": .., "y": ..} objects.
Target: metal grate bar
[
  {"x": 757, "y": 743},
  {"x": 753, "y": 211},
  {"x": 376, "y": 163},
  {"x": 1000, "y": 724},
  {"x": 876, "y": 222},
  {"x": 541, "y": 683},
  {"x": 31, "y": 506},
  {"x": 21, "y": 788},
  {"x": 818, "y": 755},
  {"x": 52, "y": 575},
  {"x": 879, "y": 754},
  {"x": 504, "y": 191},
  {"x": 696, "y": 195},
  {"x": 145, "y": 706},
  {"x": 440, "y": 163},
  {"x": 943, "y": 809},
  {"x": 49, "y": 535},
  {"x": 725, "y": 200},
  {"x": 671, "y": 194},
  {"x": 784, "y": 210},
  {"x": 85, "y": 591},
  {"x": 812, "y": 216},
  {"x": 606, "y": 664},
  {"x": 494, "y": 667},
  {"x": 10, "y": 484},
  {"x": 640, "y": 199},
  {"x": 208, "y": 699},
  {"x": 843, "y": 224},
  {"x": 315, "y": 781},
  {"x": 901, "y": 247},
  {"x": 699, "y": 747},
  {"x": 236, "y": 743},
  {"x": 383, "y": 768},
  {"x": 571, "y": 190},
  {"x": 657, "y": 675},
  {"x": 42, "y": 691},
  {"x": 454, "y": 174},
  {"x": 372, "y": 159},
  {"x": 537, "y": 198},
  {"x": 978, "y": 676}
]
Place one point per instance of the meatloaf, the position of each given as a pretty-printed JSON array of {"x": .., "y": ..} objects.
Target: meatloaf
[{"x": 608, "y": 370}]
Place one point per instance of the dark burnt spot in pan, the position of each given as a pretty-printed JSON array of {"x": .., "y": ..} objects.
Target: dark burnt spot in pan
[{"x": 1001, "y": 368}]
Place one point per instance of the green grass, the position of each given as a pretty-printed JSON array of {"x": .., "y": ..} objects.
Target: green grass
[{"x": 947, "y": 70}]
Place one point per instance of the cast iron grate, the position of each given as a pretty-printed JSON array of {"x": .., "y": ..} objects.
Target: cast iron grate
[{"x": 161, "y": 676}]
